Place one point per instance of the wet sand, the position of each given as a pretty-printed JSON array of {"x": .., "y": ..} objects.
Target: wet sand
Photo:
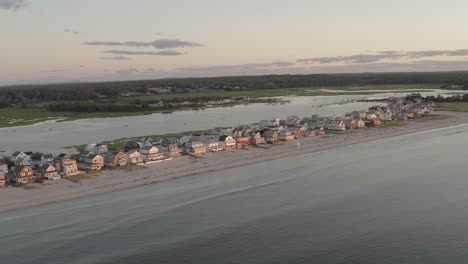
[{"x": 114, "y": 180}]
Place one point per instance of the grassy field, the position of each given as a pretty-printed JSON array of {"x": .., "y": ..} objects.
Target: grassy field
[
  {"x": 335, "y": 90},
  {"x": 81, "y": 177},
  {"x": 36, "y": 113},
  {"x": 455, "y": 107},
  {"x": 78, "y": 178},
  {"x": 392, "y": 87},
  {"x": 13, "y": 117},
  {"x": 432, "y": 117},
  {"x": 31, "y": 186}
]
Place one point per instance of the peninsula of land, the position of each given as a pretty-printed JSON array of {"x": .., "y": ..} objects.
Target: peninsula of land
[{"x": 144, "y": 174}]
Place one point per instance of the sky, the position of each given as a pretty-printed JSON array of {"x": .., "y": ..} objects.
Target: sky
[{"x": 50, "y": 41}]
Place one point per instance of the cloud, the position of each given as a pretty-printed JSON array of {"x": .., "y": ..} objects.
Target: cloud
[
  {"x": 433, "y": 53},
  {"x": 251, "y": 66},
  {"x": 127, "y": 71},
  {"x": 71, "y": 31},
  {"x": 152, "y": 53},
  {"x": 12, "y": 4},
  {"x": 388, "y": 52},
  {"x": 278, "y": 67},
  {"x": 384, "y": 55},
  {"x": 415, "y": 66},
  {"x": 132, "y": 71},
  {"x": 121, "y": 58},
  {"x": 282, "y": 63},
  {"x": 360, "y": 58},
  {"x": 157, "y": 44}
]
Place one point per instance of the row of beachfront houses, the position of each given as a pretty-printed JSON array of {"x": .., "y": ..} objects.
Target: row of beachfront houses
[{"x": 25, "y": 167}]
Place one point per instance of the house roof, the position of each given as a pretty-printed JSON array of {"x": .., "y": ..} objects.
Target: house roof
[
  {"x": 210, "y": 140},
  {"x": 132, "y": 151},
  {"x": 48, "y": 156},
  {"x": 46, "y": 166},
  {"x": 197, "y": 138},
  {"x": 23, "y": 161},
  {"x": 115, "y": 152},
  {"x": 147, "y": 147},
  {"x": 92, "y": 155},
  {"x": 131, "y": 144},
  {"x": 223, "y": 138},
  {"x": 17, "y": 169}
]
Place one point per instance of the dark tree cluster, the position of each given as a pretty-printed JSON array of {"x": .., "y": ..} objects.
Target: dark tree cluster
[
  {"x": 24, "y": 95},
  {"x": 448, "y": 99},
  {"x": 91, "y": 107}
]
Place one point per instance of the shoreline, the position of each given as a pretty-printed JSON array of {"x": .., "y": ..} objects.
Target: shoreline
[
  {"x": 66, "y": 116},
  {"x": 141, "y": 175}
]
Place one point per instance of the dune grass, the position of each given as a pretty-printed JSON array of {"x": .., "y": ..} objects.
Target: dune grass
[
  {"x": 432, "y": 117},
  {"x": 454, "y": 107},
  {"x": 78, "y": 178},
  {"x": 31, "y": 186}
]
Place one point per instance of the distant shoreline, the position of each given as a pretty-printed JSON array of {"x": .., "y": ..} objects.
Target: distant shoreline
[
  {"x": 116, "y": 180},
  {"x": 38, "y": 113}
]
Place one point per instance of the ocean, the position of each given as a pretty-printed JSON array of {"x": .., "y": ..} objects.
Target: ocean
[{"x": 395, "y": 200}]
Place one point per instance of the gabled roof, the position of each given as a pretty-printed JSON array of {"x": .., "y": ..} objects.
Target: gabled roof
[
  {"x": 17, "y": 169},
  {"x": 62, "y": 155},
  {"x": 210, "y": 140},
  {"x": 131, "y": 144},
  {"x": 132, "y": 151},
  {"x": 115, "y": 152},
  {"x": 46, "y": 166},
  {"x": 92, "y": 155},
  {"x": 48, "y": 156},
  {"x": 222, "y": 138},
  {"x": 147, "y": 147}
]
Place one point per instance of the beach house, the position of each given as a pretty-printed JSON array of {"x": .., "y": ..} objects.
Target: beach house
[
  {"x": 115, "y": 159},
  {"x": 242, "y": 141},
  {"x": 286, "y": 134},
  {"x": 23, "y": 175},
  {"x": 3, "y": 172},
  {"x": 271, "y": 136},
  {"x": 48, "y": 172},
  {"x": 67, "y": 166},
  {"x": 91, "y": 162},
  {"x": 151, "y": 153},
  {"x": 257, "y": 139},
  {"x": 197, "y": 147},
  {"x": 212, "y": 145},
  {"x": 173, "y": 150},
  {"x": 134, "y": 157}
]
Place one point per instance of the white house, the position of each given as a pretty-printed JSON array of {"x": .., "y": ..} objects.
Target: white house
[{"x": 227, "y": 142}]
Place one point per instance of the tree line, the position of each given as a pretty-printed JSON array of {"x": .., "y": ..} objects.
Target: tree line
[
  {"x": 448, "y": 99},
  {"x": 24, "y": 95}
]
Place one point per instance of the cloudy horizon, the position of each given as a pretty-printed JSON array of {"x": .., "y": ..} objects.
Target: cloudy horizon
[{"x": 51, "y": 41}]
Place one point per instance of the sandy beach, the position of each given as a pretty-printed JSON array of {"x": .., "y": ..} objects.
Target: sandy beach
[{"x": 118, "y": 179}]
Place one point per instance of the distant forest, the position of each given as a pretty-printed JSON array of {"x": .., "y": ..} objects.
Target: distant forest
[{"x": 26, "y": 94}]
